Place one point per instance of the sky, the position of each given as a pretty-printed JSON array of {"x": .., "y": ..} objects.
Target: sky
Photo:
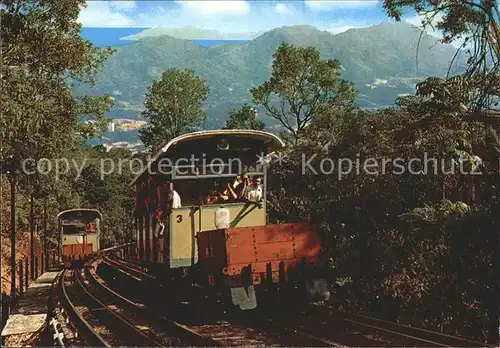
[{"x": 237, "y": 16}]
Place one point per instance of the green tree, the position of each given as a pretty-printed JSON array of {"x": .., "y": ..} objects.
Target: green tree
[
  {"x": 476, "y": 24},
  {"x": 41, "y": 117},
  {"x": 302, "y": 86},
  {"x": 244, "y": 118},
  {"x": 108, "y": 194},
  {"x": 42, "y": 54},
  {"x": 173, "y": 106}
]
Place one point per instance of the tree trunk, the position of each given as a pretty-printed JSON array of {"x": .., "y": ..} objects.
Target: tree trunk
[
  {"x": 13, "y": 231},
  {"x": 32, "y": 236},
  {"x": 45, "y": 251}
]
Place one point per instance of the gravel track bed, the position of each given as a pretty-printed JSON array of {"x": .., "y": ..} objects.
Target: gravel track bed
[
  {"x": 77, "y": 298},
  {"x": 247, "y": 331},
  {"x": 147, "y": 325},
  {"x": 327, "y": 325}
]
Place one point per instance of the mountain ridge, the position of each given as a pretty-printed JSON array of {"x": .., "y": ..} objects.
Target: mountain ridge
[
  {"x": 380, "y": 61},
  {"x": 190, "y": 33}
]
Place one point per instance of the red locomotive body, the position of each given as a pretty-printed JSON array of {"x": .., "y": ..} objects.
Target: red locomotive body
[{"x": 258, "y": 255}]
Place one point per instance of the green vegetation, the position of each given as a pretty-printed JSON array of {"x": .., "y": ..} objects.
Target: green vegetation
[
  {"x": 43, "y": 54},
  {"x": 381, "y": 61},
  {"x": 173, "y": 107},
  {"x": 244, "y": 118},
  {"x": 302, "y": 86},
  {"x": 415, "y": 245},
  {"x": 418, "y": 248}
]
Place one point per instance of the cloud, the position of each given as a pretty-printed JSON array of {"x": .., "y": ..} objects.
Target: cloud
[
  {"x": 417, "y": 21},
  {"x": 340, "y": 29},
  {"x": 283, "y": 9},
  {"x": 236, "y": 16},
  {"x": 182, "y": 13},
  {"x": 106, "y": 14},
  {"x": 224, "y": 16},
  {"x": 125, "y": 6},
  {"x": 341, "y": 26},
  {"x": 331, "y": 5},
  {"x": 207, "y": 7}
]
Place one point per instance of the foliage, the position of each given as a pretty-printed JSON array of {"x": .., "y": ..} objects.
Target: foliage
[
  {"x": 93, "y": 109},
  {"x": 477, "y": 25},
  {"x": 244, "y": 118},
  {"x": 414, "y": 244},
  {"x": 400, "y": 235},
  {"x": 40, "y": 117},
  {"x": 43, "y": 54},
  {"x": 380, "y": 60},
  {"x": 108, "y": 193},
  {"x": 304, "y": 85},
  {"x": 173, "y": 107}
]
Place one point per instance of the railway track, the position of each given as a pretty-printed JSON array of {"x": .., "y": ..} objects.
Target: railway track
[
  {"x": 428, "y": 336},
  {"x": 358, "y": 330},
  {"x": 97, "y": 323},
  {"x": 129, "y": 268},
  {"x": 320, "y": 326},
  {"x": 220, "y": 332},
  {"x": 167, "y": 331},
  {"x": 60, "y": 316}
]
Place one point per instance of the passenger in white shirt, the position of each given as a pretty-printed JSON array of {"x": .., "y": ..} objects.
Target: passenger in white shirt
[
  {"x": 176, "y": 200},
  {"x": 176, "y": 203},
  {"x": 253, "y": 192}
]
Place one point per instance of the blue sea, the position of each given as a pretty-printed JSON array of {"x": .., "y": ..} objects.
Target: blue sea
[{"x": 102, "y": 37}]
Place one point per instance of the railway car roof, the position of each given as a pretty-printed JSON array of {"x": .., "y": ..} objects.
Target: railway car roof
[
  {"x": 270, "y": 140},
  {"x": 80, "y": 209}
]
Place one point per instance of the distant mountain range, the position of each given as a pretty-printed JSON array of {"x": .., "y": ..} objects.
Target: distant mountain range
[
  {"x": 191, "y": 33},
  {"x": 381, "y": 60}
]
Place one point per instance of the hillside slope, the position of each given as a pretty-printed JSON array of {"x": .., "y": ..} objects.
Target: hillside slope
[{"x": 380, "y": 60}]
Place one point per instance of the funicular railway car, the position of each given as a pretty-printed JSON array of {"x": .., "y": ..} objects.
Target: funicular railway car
[
  {"x": 79, "y": 233},
  {"x": 201, "y": 211}
]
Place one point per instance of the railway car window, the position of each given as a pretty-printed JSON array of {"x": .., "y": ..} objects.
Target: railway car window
[
  {"x": 189, "y": 191},
  {"x": 72, "y": 229},
  {"x": 224, "y": 190}
]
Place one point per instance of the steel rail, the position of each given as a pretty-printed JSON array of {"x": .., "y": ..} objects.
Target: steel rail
[
  {"x": 133, "y": 333},
  {"x": 318, "y": 340},
  {"x": 396, "y": 329},
  {"x": 78, "y": 322},
  {"x": 123, "y": 265},
  {"x": 452, "y": 340},
  {"x": 181, "y": 331}
]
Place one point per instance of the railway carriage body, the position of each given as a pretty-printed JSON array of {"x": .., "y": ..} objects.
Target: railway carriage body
[
  {"x": 229, "y": 243},
  {"x": 79, "y": 233}
]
